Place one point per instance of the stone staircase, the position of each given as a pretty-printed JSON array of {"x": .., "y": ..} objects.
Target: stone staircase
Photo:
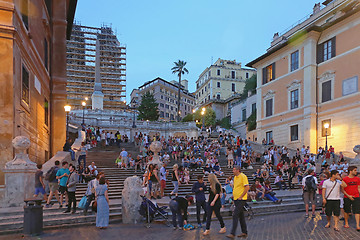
[{"x": 11, "y": 219}]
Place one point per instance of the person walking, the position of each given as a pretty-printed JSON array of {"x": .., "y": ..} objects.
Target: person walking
[
  {"x": 175, "y": 180},
  {"x": 62, "y": 175},
  {"x": 309, "y": 184},
  {"x": 71, "y": 189},
  {"x": 163, "y": 175},
  {"x": 102, "y": 199},
  {"x": 39, "y": 182},
  {"x": 241, "y": 188},
  {"x": 214, "y": 204},
  {"x": 53, "y": 183},
  {"x": 178, "y": 207},
  {"x": 90, "y": 192},
  {"x": 331, "y": 198},
  {"x": 199, "y": 189},
  {"x": 351, "y": 196}
]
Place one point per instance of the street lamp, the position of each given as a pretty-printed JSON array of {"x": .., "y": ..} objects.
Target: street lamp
[
  {"x": 326, "y": 126},
  {"x": 83, "y": 104},
  {"x": 86, "y": 98},
  {"x": 203, "y": 114},
  {"x": 67, "y": 110}
]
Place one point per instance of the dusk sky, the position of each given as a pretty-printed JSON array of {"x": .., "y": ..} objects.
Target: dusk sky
[{"x": 159, "y": 32}]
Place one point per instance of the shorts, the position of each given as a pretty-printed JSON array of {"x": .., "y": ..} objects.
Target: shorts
[
  {"x": 39, "y": 190},
  {"x": 62, "y": 189},
  {"x": 354, "y": 204},
  {"x": 162, "y": 184},
  {"x": 341, "y": 203},
  {"x": 332, "y": 206},
  {"x": 53, "y": 186},
  {"x": 309, "y": 197}
]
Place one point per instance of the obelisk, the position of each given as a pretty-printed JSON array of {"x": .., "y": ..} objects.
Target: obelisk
[{"x": 97, "y": 97}]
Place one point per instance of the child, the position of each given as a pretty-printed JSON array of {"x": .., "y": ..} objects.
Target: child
[
  {"x": 118, "y": 162},
  {"x": 252, "y": 193}
]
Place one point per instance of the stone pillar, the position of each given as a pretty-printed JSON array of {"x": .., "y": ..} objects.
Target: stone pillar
[
  {"x": 58, "y": 77},
  {"x": 19, "y": 175},
  {"x": 97, "y": 97},
  {"x": 131, "y": 200}
]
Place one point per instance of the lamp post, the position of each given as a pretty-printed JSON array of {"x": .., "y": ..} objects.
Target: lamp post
[
  {"x": 203, "y": 116},
  {"x": 326, "y": 126},
  {"x": 67, "y": 110},
  {"x": 83, "y": 104}
]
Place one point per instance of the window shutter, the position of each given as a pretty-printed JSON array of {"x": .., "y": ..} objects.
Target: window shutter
[
  {"x": 264, "y": 75},
  {"x": 333, "y": 47},
  {"x": 320, "y": 53},
  {"x": 326, "y": 91},
  {"x": 273, "y": 71}
]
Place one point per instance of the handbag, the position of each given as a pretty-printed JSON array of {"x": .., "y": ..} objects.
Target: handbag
[{"x": 82, "y": 202}]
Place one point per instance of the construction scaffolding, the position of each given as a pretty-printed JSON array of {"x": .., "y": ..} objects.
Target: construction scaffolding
[{"x": 81, "y": 50}]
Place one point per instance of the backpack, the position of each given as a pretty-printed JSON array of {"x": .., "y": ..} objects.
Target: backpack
[
  {"x": 310, "y": 185},
  {"x": 50, "y": 174}
]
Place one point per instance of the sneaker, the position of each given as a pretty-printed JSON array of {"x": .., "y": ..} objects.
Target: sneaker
[
  {"x": 222, "y": 230},
  {"x": 230, "y": 236},
  {"x": 67, "y": 211},
  {"x": 306, "y": 215},
  {"x": 254, "y": 201},
  {"x": 243, "y": 235},
  {"x": 207, "y": 232}
]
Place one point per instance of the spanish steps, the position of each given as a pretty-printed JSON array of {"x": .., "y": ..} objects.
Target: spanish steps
[{"x": 11, "y": 219}]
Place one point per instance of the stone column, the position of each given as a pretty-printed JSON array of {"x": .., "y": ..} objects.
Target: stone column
[
  {"x": 97, "y": 97},
  {"x": 131, "y": 200},
  {"x": 19, "y": 175}
]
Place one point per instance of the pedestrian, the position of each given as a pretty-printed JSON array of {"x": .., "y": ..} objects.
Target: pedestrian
[
  {"x": 124, "y": 158},
  {"x": 178, "y": 207},
  {"x": 102, "y": 199},
  {"x": 175, "y": 180},
  {"x": 73, "y": 179},
  {"x": 241, "y": 188},
  {"x": 309, "y": 184},
  {"x": 351, "y": 196},
  {"x": 214, "y": 204},
  {"x": 163, "y": 175},
  {"x": 39, "y": 182},
  {"x": 331, "y": 198},
  {"x": 83, "y": 153},
  {"x": 62, "y": 175},
  {"x": 53, "y": 183},
  {"x": 90, "y": 192},
  {"x": 199, "y": 188}
]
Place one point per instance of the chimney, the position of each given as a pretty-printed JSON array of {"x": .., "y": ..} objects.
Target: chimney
[
  {"x": 316, "y": 8},
  {"x": 276, "y": 36},
  {"x": 185, "y": 84}
]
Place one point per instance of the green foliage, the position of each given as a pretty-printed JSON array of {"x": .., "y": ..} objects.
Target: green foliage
[
  {"x": 251, "y": 122},
  {"x": 179, "y": 69},
  {"x": 225, "y": 123},
  {"x": 188, "y": 118},
  {"x": 250, "y": 85},
  {"x": 209, "y": 117},
  {"x": 148, "y": 109}
]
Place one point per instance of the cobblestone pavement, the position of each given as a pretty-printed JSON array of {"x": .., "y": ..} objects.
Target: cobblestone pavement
[{"x": 290, "y": 226}]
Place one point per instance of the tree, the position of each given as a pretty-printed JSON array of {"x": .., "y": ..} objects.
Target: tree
[
  {"x": 188, "y": 118},
  {"x": 180, "y": 69},
  {"x": 251, "y": 122},
  {"x": 225, "y": 123},
  {"x": 250, "y": 85},
  {"x": 148, "y": 109},
  {"x": 209, "y": 117}
]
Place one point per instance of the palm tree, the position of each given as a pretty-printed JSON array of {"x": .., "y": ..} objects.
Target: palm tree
[{"x": 180, "y": 69}]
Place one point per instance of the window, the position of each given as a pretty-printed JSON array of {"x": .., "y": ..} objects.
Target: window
[
  {"x": 218, "y": 84},
  {"x": 161, "y": 96},
  {"x": 205, "y": 88},
  {"x": 25, "y": 86},
  {"x": 202, "y": 91},
  {"x": 171, "y": 108},
  {"x": 294, "y": 99},
  {"x": 46, "y": 156},
  {"x": 269, "y": 107},
  {"x": 233, "y": 87},
  {"x": 294, "y": 61},
  {"x": 161, "y": 105},
  {"x": 253, "y": 108},
  {"x": 48, "y": 6},
  {"x": 166, "y": 106},
  {"x": 233, "y": 74},
  {"x": 268, "y": 73},
  {"x": 46, "y": 112},
  {"x": 218, "y": 72},
  {"x": 172, "y": 117},
  {"x": 218, "y": 96},
  {"x": 161, "y": 114},
  {"x": 167, "y": 115},
  {"x": 326, "y": 132},
  {"x": 209, "y": 73},
  {"x": 326, "y": 91},
  {"x": 294, "y": 133},
  {"x": 24, "y": 9},
  {"x": 243, "y": 115},
  {"x": 326, "y": 50},
  {"x": 246, "y": 75},
  {"x": 269, "y": 137}
]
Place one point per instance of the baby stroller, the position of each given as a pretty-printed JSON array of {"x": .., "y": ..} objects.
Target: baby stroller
[{"x": 151, "y": 211}]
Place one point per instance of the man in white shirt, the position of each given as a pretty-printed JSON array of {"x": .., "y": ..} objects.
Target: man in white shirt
[
  {"x": 163, "y": 175},
  {"x": 303, "y": 150},
  {"x": 331, "y": 198},
  {"x": 124, "y": 158}
]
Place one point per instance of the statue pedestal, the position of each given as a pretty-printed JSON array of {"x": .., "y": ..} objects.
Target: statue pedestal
[
  {"x": 156, "y": 147},
  {"x": 97, "y": 99},
  {"x": 19, "y": 175},
  {"x": 131, "y": 200}
]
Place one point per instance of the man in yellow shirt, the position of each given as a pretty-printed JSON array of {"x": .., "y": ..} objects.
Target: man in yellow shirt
[{"x": 241, "y": 187}]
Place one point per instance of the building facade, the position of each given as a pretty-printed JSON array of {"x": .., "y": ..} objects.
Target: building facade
[
  {"x": 166, "y": 95},
  {"x": 220, "y": 81},
  {"x": 81, "y": 57},
  {"x": 33, "y": 75},
  {"x": 308, "y": 80},
  {"x": 135, "y": 98}
]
